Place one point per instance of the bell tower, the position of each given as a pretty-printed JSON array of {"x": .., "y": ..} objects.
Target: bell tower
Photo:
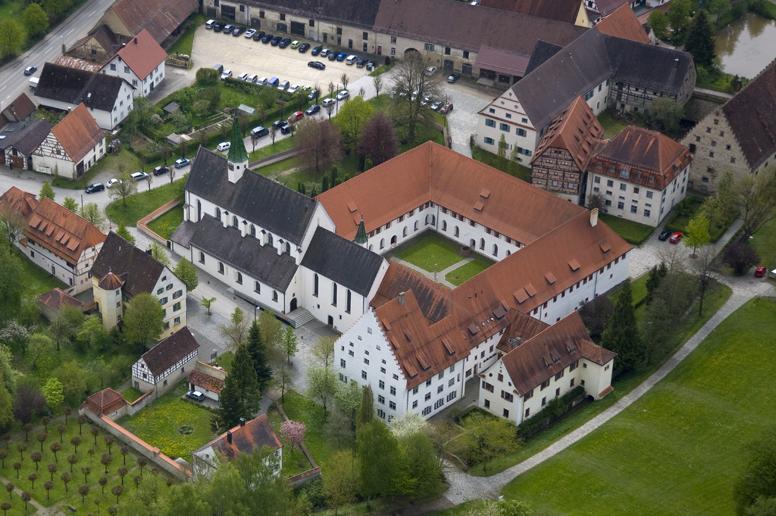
[{"x": 238, "y": 156}]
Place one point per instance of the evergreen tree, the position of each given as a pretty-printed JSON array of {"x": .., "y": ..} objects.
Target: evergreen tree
[
  {"x": 231, "y": 408},
  {"x": 622, "y": 334},
  {"x": 366, "y": 412},
  {"x": 699, "y": 40},
  {"x": 259, "y": 356},
  {"x": 244, "y": 375},
  {"x": 378, "y": 460},
  {"x": 46, "y": 192}
]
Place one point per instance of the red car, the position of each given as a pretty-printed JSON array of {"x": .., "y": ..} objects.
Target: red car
[
  {"x": 676, "y": 237},
  {"x": 759, "y": 271},
  {"x": 295, "y": 117}
]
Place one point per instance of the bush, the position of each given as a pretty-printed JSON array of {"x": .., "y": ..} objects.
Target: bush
[
  {"x": 207, "y": 76},
  {"x": 741, "y": 257},
  {"x": 553, "y": 411}
]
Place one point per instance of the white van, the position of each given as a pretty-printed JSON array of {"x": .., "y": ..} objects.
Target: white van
[
  {"x": 33, "y": 82},
  {"x": 351, "y": 59},
  {"x": 209, "y": 24}
]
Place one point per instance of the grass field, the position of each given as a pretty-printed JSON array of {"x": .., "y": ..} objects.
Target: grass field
[
  {"x": 186, "y": 40},
  {"x": 167, "y": 223},
  {"x": 144, "y": 202},
  {"x": 430, "y": 252},
  {"x": 630, "y": 231},
  {"x": 512, "y": 168},
  {"x": 468, "y": 270},
  {"x": 160, "y": 424},
  {"x": 300, "y": 408},
  {"x": 111, "y": 162},
  {"x": 680, "y": 448},
  {"x": 764, "y": 241},
  {"x": 611, "y": 123}
]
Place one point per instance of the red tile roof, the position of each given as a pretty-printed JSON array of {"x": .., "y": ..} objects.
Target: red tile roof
[
  {"x": 105, "y": 402},
  {"x": 56, "y": 298},
  {"x": 623, "y": 23},
  {"x": 201, "y": 379},
  {"x": 19, "y": 109},
  {"x": 250, "y": 437},
  {"x": 78, "y": 133},
  {"x": 18, "y": 201},
  {"x": 142, "y": 54},
  {"x": 576, "y": 130},
  {"x": 159, "y": 18}
]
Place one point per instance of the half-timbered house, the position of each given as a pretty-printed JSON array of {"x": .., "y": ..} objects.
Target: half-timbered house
[
  {"x": 72, "y": 147},
  {"x": 162, "y": 366}
]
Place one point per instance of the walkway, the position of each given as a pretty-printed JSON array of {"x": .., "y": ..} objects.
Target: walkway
[
  {"x": 40, "y": 509},
  {"x": 465, "y": 487},
  {"x": 440, "y": 276}
]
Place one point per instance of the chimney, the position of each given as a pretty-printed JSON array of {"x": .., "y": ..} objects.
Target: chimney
[
  {"x": 242, "y": 421},
  {"x": 229, "y": 437},
  {"x": 135, "y": 40},
  {"x": 401, "y": 298},
  {"x": 593, "y": 217}
]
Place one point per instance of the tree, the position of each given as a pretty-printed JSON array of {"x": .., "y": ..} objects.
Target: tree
[
  {"x": 271, "y": 335},
  {"x": 10, "y": 283},
  {"x": 348, "y": 402},
  {"x": 83, "y": 490},
  {"x": 28, "y": 402},
  {"x": 289, "y": 344},
  {"x": 351, "y": 119},
  {"x": 258, "y": 353},
  {"x": 411, "y": 85},
  {"x": 678, "y": 17},
  {"x": 117, "y": 491},
  {"x": 322, "y": 385},
  {"x": 378, "y": 460},
  {"x": 698, "y": 232},
  {"x": 622, "y": 334},
  {"x": 92, "y": 335},
  {"x": 53, "y": 393},
  {"x": 377, "y": 82},
  {"x": 293, "y": 432},
  {"x": 659, "y": 23},
  {"x": 207, "y": 304},
  {"x": 143, "y": 320},
  {"x": 378, "y": 139},
  {"x": 125, "y": 234},
  {"x": 52, "y": 468},
  {"x": 207, "y": 77},
  {"x": 595, "y": 315},
  {"x": 139, "y": 119},
  {"x": 501, "y": 507},
  {"x": 66, "y": 324},
  {"x": 722, "y": 207},
  {"x": 340, "y": 478},
  {"x": 758, "y": 480},
  {"x": 73, "y": 376},
  {"x": 236, "y": 330},
  {"x": 323, "y": 351},
  {"x": 36, "y": 456},
  {"x": 757, "y": 201},
  {"x": 35, "y": 20},
  {"x": 12, "y": 37},
  {"x": 488, "y": 438},
  {"x": 741, "y": 257},
  {"x": 421, "y": 468},
  {"x": 700, "y": 42},
  {"x": 93, "y": 214},
  {"x": 243, "y": 386},
  {"x": 160, "y": 254},
  {"x": 46, "y": 192},
  {"x": 124, "y": 188},
  {"x": 366, "y": 411},
  {"x": 664, "y": 115},
  {"x": 656, "y": 275},
  {"x": 6, "y": 413},
  {"x": 318, "y": 142},
  {"x": 502, "y": 147},
  {"x": 187, "y": 273},
  {"x": 69, "y": 202}
]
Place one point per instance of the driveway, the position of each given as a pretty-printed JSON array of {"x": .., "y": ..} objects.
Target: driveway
[{"x": 468, "y": 99}]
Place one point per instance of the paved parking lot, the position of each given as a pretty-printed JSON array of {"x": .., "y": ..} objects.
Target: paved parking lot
[
  {"x": 241, "y": 55},
  {"x": 468, "y": 99}
]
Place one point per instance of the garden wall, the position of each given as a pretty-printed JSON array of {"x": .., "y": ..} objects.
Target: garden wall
[{"x": 142, "y": 224}]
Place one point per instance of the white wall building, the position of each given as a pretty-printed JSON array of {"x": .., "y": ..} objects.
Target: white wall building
[
  {"x": 140, "y": 62},
  {"x": 164, "y": 365}
]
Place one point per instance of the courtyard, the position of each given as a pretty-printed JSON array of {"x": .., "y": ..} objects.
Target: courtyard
[{"x": 440, "y": 259}]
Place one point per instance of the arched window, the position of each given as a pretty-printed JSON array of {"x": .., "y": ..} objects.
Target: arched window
[
  {"x": 457, "y": 231},
  {"x": 253, "y": 230},
  {"x": 482, "y": 244},
  {"x": 415, "y": 226},
  {"x": 199, "y": 210},
  {"x": 239, "y": 278},
  {"x": 393, "y": 240},
  {"x": 288, "y": 248},
  {"x": 404, "y": 232},
  {"x": 382, "y": 243},
  {"x": 495, "y": 250},
  {"x": 444, "y": 225},
  {"x": 218, "y": 213},
  {"x": 234, "y": 221},
  {"x": 269, "y": 238}
]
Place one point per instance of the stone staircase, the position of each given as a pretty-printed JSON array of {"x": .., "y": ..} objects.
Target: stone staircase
[{"x": 298, "y": 317}]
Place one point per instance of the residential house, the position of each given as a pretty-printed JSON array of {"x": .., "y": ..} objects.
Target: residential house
[
  {"x": 207, "y": 379},
  {"x": 140, "y": 62},
  {"x": 535, "y": 368},
  {"x": 639, "y": 175},
  {"x": 122, "y": 271},
  {"x": 622, "y": 23},
  {"x": 127, "y": 18},
  {"x": 20, "y": 140},
  {"x": 109, "y": 99},
  {"x": 54, "y": 238},
  {"x": 72, "y": 146},
  {"x": 54, "y": 300},
  {"x": 565, "y": 150},
  {"x": 107, "y": 402},
  {"x": 608, "y": 72},
  {"x": 97, "y": 47},
  {"x": 161, "y": 367},
  {"x": 739, "y": 137},
  {"x": 19, "y": 110},
  {"x": 254, "y": 436}
]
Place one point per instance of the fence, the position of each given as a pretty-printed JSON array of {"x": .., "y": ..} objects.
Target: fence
[{"x": 142, "y": 224}]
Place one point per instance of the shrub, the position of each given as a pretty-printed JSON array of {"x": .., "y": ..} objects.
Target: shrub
[
  {"x": 207, "y": 76},
  {"x": 741, "y": 257},
  {"x": 553, "y": 411}
]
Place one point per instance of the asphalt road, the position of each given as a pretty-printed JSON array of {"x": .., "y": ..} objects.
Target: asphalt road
[{"x": 12, "y": 79}]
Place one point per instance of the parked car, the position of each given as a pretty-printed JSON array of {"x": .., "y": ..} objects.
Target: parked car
[
  {"x": 158, "y": 171},
  {"x": 446, "y": 108},
  {"x": 266, "y": 38},
  {"x": 341, "y": 56},
  {"x": 258, "y": 35},
  {"x": 431, "y": 70},
  {"x": 331, "y": 56},
  {"x": 370, "y": 66},
  {"x": 112, "y": 181},
  {"x": 217, "y": 27},
  {"x": 274, "y": 81},
  {"x": 351, "y": 60},
  {"x": 259, "y": 131},
  {"x": 277, "y": 123},
  {"x": 261, "y": 81},
  {"x": 249, "y": 33},
  {"x": 275, "y": 41},
  {"x": 182, "y": 162},
  {"x": 228, "y": 28},
  {"x": 759, "y": 271},
  {"x": 138, "y": 176},
  {"x": 316, "y": 50},
  {"x": 237, "y": 31},
  {"x": 30, "y": 70},
  {"x": 243, "y": 77},
  {"x": 226, "y": 74},
  {"x": 95, "y": 187},
  {"x": 252, "y": 78},
  {"x": 327, "y": 102},
  {"x": 283, "y": 85},
  {"x": 436, "y": 106},
  {"x": 295, "y": 43},
  {"x": 315, "y": 108},
  {"x": 343, "y": 94},
  {"x": 209, "y": 24},
  {"x": 360, "y": 62},
  {"x": 223, "y": 146},
  {"x": 317, "y": 65},
  {"x": 284, "y": 42},
  {"x": 218, "y": 68},
  {"x": 314, "y": 94},
  {"x": 325, "y": 52},
  {"x": 304, "y": 47},
  {"x": 453, "y": 77},
  {"x": 676, "y": 237},
  {"x": 295, "y": 117},
  {"x": 293, "y": 89},
  {"x": 663, "y": 236},
  {"x": 286, "y": 128},
  {"x": 195, "y": 395}
]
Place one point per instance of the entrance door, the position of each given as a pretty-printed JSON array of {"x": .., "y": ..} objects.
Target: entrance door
[
  {"x": 297, "y": 28},
  {"x": 448, "y": 66},
  {"x": 227, "y": 12},
  {"x": 330, "y": 321},
  {"x": 293, "y": 304},
  {"x": 466, "y": 69}
]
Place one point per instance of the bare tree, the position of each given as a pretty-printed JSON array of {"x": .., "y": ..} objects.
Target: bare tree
[
  {"x": 319, "y": 144},
  {"x": 378, "y": 139},
  {"x": 12, "y": 222},
  {"x": 757, "y": 201},
  {"x": 93, "y": 214},
  {"x": 377, "y": 81},
  {"x": 124, "y": 188},
  {"x": 332, "y": 89},
  {"x": 345, "y": 80},
  {"x": 411, "y": 85}
]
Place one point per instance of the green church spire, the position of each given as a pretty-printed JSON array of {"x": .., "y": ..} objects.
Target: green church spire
[
  {"x": 361, "y": 233},
  {"x": 237, "y": 152}
]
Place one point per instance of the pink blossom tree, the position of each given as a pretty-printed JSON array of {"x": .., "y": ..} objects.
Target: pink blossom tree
[{"x": 293, "y": 432}]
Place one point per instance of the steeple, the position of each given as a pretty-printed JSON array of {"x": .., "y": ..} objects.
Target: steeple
[
  {"x": 361, "y": 233},
  {"x": 238, "y": 156}
]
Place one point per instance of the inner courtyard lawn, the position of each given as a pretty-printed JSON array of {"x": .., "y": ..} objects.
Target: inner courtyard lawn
[
  {"x": 430, "y": 252},
  {"x": 176, "y": 426},
  {"x": 630, "y": 231},
  {"x": 165, "y": 225},
  {"x": 680, "y": 448},
  {"x": 468, "y": 270}
]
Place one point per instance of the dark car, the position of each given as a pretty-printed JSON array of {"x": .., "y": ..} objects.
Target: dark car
[
  {"x": 453, "y": 77},
  {"x": 158, "y": 171},
  {"x": 316, "y": 50},
  {"x": 266, "y": 38},
  {"x": 217, "y": 27},
  {"x": 276, "y": 41},
  {"x": 284, "y": 42},
  {"x": 313, "y": 94},
  {"x": 317, "y": 65},
  {"x": 332, "y": 56},
  {"x": 370, "y": 65},
  {"x": 237, "y": 31},
  {"x": 259, "y": 131},
  {"x": 228, "y": 28},
  {"x": 277, "y": 123},
  {"x": 360, "y": 62},
  {"x": 663, "y": 236},
  {"x": 286, "y": 128},
  {"x": 315, "y": 108},
  {"x": 258, "y": 36},
  {"x": 195, "y": 395},
  {"x": 95, "y": 187},
  {"x": 30, "y": 70},
  {"x": 304, "y": 47},
  {"x": 341, "y": 56}
]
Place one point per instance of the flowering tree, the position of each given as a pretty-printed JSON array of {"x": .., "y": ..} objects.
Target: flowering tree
[{"x": 293, "y": 432}]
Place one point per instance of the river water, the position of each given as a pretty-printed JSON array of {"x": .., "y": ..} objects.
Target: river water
[{"x": 747, "y": 45}]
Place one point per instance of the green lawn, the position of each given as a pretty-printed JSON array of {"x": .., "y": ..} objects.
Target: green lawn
[
  {"x": 684, "y": 211},
  {"x": 630, "y": 231},
  {"x": 300, "y": 408},
  {"x": 717, "y": 295},
  {"x": 186, "y": 40},
  {"x": 468, "y": 270},
  {"x": 430, "y": 252},
  {"x": 680, "y": 448},
  {"x": 36, "y": 280},
  {"x": 88, "y": 455},
  {"x": 294, "y": 461},
  {"x": 716, "y": 80},
  {"x": 764, "y": 241},
  {"x": 161, "y": 422},
  {"x": 131, "y": 394},
  {"x": 167, "y": 223},
  {"x": 111, "y": 162},
  {"x": 505, "y": 165},
  {"x": 275, "y": 148},
  {"x": 144, "y": 202},
  {"x": 611, "y": 123}
]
